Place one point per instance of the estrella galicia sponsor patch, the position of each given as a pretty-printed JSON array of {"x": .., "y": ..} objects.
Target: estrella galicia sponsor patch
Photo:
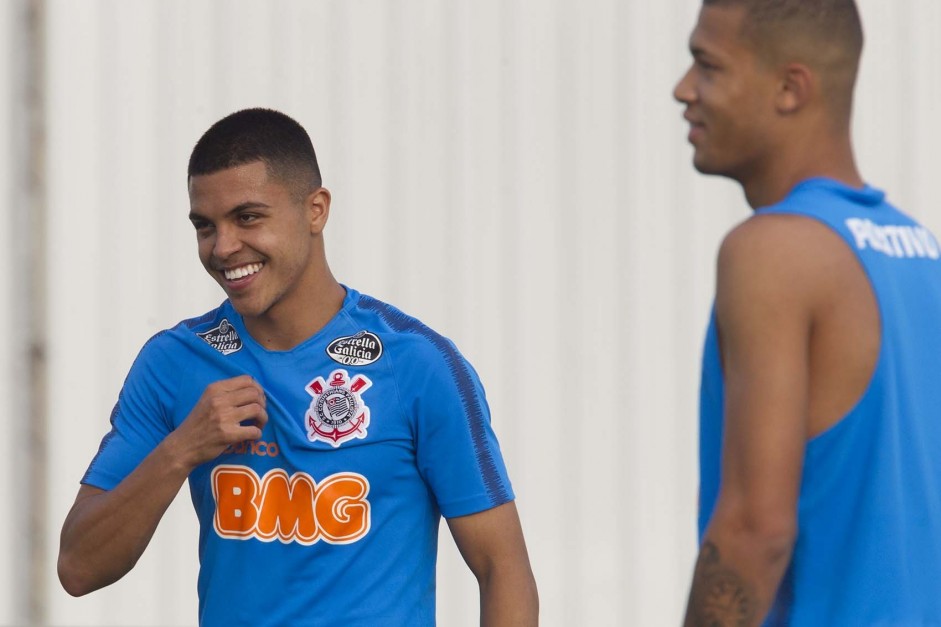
[
  {"x": 337, "y": 412},
  {"x": 224, "y": 338},
  {"x": 361, "y": 349}
]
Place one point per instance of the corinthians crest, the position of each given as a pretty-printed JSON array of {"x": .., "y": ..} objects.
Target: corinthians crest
[{"x": 337, "y": 413}]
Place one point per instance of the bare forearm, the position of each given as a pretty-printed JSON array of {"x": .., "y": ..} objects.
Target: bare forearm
[
  {"x": 106, "y": 533},
  {"x": 736, "y": 579},
  {"x": 509, "y": 598}
]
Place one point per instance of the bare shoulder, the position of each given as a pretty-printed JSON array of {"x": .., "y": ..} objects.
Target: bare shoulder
[
  {"x": 786, "y": 255},
  {"x": 791, "y": 294},
  {"x": 781, "y": 237}
]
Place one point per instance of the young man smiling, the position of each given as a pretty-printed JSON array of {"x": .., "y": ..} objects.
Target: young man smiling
[
  {"x": 322, "y": 431},
  {"x": 820, "y": 453}
]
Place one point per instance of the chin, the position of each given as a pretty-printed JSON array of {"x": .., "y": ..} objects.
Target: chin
[
  {"x": 704, "y": 165},
  {"x": 248, "y": 309}
]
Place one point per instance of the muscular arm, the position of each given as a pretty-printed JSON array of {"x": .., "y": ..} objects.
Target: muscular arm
[
  {"x": 492, "y": 544},
  {"x": 768, "y": 287},
  {"x": 106, "y": 532}
]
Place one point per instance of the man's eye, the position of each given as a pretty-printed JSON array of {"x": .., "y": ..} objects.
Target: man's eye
[
  {"x": 201, "y": 225},
  {"x": 246, "y": 218}
]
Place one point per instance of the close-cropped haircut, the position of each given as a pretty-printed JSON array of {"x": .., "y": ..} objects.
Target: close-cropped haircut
[
  {"x": 827, "y": 35},
  {"x": 262, "y": 135}
]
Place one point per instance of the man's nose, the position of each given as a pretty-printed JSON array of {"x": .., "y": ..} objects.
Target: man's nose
[
  {"x": 684, "y": 92},
  {"x": 227, "y": 242}
]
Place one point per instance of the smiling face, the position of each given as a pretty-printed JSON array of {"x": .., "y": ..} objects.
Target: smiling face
[
  {"x": 729, "y": 96},
  {"x": 257, "y": 241}
]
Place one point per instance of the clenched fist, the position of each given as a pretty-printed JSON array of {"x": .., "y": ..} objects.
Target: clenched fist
[{"x": 229, "y": 411}]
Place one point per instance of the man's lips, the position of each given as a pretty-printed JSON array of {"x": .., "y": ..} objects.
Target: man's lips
[
  {"x": 239, "y": 276},
  {"x": 242, "y": 271},
  {"x": 696, "y": 128}
]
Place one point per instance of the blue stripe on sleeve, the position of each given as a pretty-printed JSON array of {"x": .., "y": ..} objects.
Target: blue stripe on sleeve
[{"x": 460, "y": 372}]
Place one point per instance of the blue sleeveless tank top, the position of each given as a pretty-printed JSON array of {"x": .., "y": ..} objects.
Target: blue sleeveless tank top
[{"x": 868, "y": 549}]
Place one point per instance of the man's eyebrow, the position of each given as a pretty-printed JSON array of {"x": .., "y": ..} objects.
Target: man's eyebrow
[
  {"x": 250, "y": 204},
  {"x": 701, "y": 55}
]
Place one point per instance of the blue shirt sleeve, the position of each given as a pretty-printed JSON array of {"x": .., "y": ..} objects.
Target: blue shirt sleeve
[
  {"x": 140, "y": 419},
  {"x": 457, "y": 452}
]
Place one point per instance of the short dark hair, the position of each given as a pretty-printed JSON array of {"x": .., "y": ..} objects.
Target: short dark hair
[
  {"x": 263, "y": 135},
  {"x": 825, "y": 34}
]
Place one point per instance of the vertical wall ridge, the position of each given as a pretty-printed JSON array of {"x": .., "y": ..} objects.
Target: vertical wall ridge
[{"x": 35, "y": 191}]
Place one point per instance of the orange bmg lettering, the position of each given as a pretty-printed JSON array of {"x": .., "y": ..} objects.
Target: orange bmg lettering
[{"x": 290, "y": 509}]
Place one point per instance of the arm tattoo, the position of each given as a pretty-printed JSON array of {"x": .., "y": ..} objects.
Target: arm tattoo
[{"x": 719, "y": 597}]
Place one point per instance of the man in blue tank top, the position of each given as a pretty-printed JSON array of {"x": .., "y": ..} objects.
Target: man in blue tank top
[
  {"x": 820, "y": 434},
  {"x": 323, "y": 432}
]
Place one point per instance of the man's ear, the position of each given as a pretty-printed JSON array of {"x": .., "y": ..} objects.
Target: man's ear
[
  {"x": 317, "y": 204},
  {"x": 797, "y": 88}
]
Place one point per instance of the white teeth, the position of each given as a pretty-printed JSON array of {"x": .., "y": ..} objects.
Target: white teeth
[{"x": 243, "y": 271}]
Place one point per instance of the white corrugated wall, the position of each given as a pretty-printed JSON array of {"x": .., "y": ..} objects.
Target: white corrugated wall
[
  {"x": 10, "y": 526},
  {"x": 513, "y": 172}
]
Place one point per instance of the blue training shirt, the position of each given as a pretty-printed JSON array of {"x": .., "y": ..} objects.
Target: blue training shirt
[
  {"x": 377, "y": 427},
  {"x": 868, "y": 549}
]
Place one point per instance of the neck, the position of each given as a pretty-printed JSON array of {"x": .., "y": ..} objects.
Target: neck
[
  {"x": 296, "y": 319},
  {"x": 801, "y": 159}
]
